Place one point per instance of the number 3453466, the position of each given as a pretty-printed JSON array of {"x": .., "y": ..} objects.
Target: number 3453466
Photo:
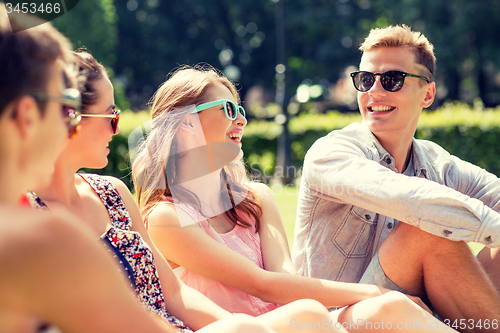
[
  {"x": 472, "y": 324},
  {"x": 33, "y": 8}
]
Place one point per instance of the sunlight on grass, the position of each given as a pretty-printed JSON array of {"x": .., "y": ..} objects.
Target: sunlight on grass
[{"x": 286, "y": 197}]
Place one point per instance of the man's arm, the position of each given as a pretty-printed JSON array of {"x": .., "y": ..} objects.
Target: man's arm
[
  {"x": 475, "y": 182},
  {"x": 339, "y": 170}
]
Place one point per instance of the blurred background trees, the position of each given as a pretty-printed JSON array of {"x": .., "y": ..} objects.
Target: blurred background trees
[{"x": 141, "y": 41}]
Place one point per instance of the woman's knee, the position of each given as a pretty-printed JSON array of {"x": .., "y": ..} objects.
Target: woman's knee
[
  {"x": 240, "y": 323},
  {"x": 395, "y": 303},
  {"x": 308, "y": 310}
]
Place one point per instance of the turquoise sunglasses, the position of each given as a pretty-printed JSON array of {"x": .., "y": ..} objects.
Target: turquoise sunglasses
[{"x": 230, "y": 108}]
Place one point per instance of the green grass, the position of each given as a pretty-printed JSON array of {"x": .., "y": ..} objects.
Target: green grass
[
  {"x": 286, "y": 197},
  {"x": 476, "y": 247}
]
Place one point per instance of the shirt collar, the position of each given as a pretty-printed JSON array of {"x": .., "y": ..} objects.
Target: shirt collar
[
  {"x": 369, "y": 139},
  {"x": 420, "y": 165}
]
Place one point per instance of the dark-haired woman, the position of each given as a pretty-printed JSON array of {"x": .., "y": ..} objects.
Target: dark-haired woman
[{"x": 107, "y": 207}]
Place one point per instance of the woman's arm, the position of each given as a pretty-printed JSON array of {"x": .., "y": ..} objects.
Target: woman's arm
[
  {"x": 276, "y": 253},
  {"x": 273, "y": 240},
  {"x": 193, "y": 249},
  {"x": 187, "y": 304}
]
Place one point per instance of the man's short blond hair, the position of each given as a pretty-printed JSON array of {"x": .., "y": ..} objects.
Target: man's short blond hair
[{"x": 403, "y": 36}]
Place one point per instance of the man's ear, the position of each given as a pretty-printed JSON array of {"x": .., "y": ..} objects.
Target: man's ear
[
  {"x": 430, "y": 94},
  {"x": 26, "y": 115}
]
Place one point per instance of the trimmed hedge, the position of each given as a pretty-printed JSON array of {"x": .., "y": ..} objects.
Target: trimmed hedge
[{"x": 471, "y": 134}]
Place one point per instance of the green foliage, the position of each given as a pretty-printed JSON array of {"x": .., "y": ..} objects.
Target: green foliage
[
  {"x": 144, "y": 40},
  {"x": 286, "y": 198},
  {"x": 466, "y": 43},
  {"x": 157, "y": 36},
  {"x": 92, "y": 24},
  {"x": 470, "y": 134}
]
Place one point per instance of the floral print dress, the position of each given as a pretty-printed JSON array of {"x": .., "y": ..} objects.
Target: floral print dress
[{"x": 133, "y": 253}]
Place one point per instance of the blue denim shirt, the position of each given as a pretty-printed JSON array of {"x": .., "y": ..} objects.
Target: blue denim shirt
[{"x": 351, "y": 196}]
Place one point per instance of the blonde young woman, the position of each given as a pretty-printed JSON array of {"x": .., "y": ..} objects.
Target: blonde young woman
[
  {"x": 106, "y": 206},
  {"x": 224, "y": 234}
]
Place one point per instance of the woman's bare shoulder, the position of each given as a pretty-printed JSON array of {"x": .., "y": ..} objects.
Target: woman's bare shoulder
[
  {"x": 167, "y": 214},
  {"x": 29, "y": 235},
  {"x": 261, "y": 191},
  {"x": 119, "y": 184},
  {"x": 19, "y": 224}
]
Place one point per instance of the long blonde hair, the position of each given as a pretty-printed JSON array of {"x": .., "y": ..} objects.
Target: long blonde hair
[{"x": 186, "y": 86}]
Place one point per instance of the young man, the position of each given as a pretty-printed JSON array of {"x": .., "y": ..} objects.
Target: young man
[
  {"x": 360, "y": 182},
  {"x": 52, "y": 270}
]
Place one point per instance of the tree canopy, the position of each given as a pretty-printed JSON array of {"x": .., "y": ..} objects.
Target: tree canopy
[{"x": 143, "y": 40}]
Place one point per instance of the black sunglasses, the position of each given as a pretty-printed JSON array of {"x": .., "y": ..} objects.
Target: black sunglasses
[
  {"x": 115, "y": 117},
  {"x": 71, "y": 104},
  {"x": 390, "y": 80}
]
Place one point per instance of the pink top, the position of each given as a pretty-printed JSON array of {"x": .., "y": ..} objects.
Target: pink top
[{"x": 246, "y": 242}]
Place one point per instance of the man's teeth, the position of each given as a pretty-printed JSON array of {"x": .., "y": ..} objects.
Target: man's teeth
[
  {"x": 235, "y": 137},
  {"x": 381, "y": 108}
]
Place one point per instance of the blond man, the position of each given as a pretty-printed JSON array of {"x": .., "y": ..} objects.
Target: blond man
[{"x": 378, "y": 206}]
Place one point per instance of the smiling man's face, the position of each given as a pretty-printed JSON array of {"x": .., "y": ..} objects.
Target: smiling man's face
[{"x": 390, "y": 115}]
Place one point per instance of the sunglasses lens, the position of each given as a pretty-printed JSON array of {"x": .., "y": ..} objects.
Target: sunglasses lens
[
  {"x": 363, "y": 81},
  {"x": 72, "y": 120},
  {"x": 231, "y": 110},
  {"x": 66, "y": 110},
  {"x": 392, "y": 80},
  {"x": 114, "y": 122},
  {"x": 73, "y": 131},
  {"x": 242, "y": 111},
  {"x": 73, "y": 98}
]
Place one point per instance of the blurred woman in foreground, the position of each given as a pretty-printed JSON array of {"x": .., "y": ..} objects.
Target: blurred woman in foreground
[{"x": 52, "y": 270}]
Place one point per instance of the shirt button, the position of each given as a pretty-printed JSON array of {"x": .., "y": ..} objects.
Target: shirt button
[
  {"x": 233, "y": 236},
  {"x": 447, "y": 232},
  {"x": 388, "y": 160},
  {"x": 390, "y": 225},
  {"x": 368, "y": 217},
  {"x": 253, "y": 258},
  {"x": 488, "y": 239}
]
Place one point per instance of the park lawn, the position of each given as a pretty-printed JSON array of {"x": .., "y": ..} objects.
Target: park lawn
[{"x": 286, "y": 197}]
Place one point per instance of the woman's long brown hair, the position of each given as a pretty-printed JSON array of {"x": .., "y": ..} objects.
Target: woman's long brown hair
[{"x": 186, "y": 86}]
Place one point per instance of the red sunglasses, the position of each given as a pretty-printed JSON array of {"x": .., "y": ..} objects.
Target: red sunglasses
[{"x": 115, "y": 117}]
